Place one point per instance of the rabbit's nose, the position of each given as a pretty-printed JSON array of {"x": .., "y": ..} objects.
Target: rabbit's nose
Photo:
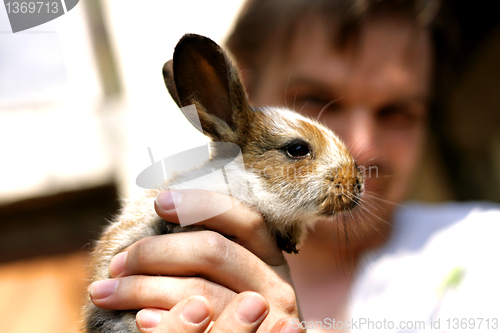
[{"x": 345, "y": 186}]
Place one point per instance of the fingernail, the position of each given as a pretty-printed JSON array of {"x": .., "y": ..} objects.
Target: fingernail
[
  {"x": 118, "y": 264},
  {"x": 251, "y": 309},
  {"x": 168, "y": 200},
  {"x": 147, "y": 319},
  {"x": 195, "y": 311},
  {"x": 102, "y": 289}
]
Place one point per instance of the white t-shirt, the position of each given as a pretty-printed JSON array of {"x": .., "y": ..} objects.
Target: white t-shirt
[{"x": 439, "y": 272}]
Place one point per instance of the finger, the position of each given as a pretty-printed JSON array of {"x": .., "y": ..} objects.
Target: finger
[
  {"x": 139, "y": 292},
  {"x": 148, "y": 319},
  {"x": 241, "y": 222},
  {"x": 287, "y": 325},
  {"x": 204, "y": 253},
  {"x": 192, "y": 315},
  {"x": 243, "y": 315}
]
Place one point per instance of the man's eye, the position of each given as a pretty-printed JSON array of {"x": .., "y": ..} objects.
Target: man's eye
[
  {"x": 314, "y": 100},
  {"x": 319, "y": 102},
  {"x": 315, "y": 106},
  {"x": 396, "y": 115}
]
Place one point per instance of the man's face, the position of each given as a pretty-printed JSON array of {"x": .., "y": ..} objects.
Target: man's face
[{"x": 377, "y": 89}]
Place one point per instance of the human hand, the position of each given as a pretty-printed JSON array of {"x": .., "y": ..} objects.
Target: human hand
[
  {"x": 244, "y": 314},
  {"x": 161, "y": 271}
]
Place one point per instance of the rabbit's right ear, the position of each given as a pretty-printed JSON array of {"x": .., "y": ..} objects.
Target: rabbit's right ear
[{"x": 204, "y": 76}]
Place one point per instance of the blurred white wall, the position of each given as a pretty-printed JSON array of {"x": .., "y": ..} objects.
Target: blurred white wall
[
  {"x": 58, "y": 129},
  {"x": 51, "y": 138}
]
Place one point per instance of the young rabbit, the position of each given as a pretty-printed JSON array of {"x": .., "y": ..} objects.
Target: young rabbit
[{"x": 295, "y": 170}]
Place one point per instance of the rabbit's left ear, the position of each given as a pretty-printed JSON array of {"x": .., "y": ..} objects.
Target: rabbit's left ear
[
  {"x": 203, "y": 75},
  {"x": 168, "y": 77}
]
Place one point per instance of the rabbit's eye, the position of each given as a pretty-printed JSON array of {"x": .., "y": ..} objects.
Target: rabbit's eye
[{"x": 297, "y": 149}]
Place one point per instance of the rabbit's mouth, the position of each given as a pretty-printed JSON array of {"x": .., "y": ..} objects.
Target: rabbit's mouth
[
  {"x": 343, "y": 190},
  {"x": 335, "y": 204}
]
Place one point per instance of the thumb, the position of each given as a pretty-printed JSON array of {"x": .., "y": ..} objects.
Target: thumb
[{"x": 223, "y": 214}]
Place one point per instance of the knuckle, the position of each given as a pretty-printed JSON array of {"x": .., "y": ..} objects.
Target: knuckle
[
  {"x": 205, "y": 200},
  {"x": 219, "y": 296},
  {"x": 140, "y": 251},
  {"x": 287, "y": 301},
  {"x": 254, "y": 223},
  {"x": 140, "y": 287},
  {"x": 289, "y": 304},
  {"x": 216, "y": 249},
  {"x": 200, "y": 287}
]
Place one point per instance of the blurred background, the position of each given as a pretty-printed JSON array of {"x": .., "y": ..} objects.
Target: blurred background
[{"x": 82, "y": 97}]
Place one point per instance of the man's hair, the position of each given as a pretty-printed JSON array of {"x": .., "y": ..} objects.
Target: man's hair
[{"x": 264, "y": 26}]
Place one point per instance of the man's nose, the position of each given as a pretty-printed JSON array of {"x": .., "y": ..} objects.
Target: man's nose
[{"x": 360, "y": 135}]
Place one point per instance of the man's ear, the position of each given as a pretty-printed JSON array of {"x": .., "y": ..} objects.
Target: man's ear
[
  {"x": 204, "y": 76},
  {"x": 168, "y": 77}
]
